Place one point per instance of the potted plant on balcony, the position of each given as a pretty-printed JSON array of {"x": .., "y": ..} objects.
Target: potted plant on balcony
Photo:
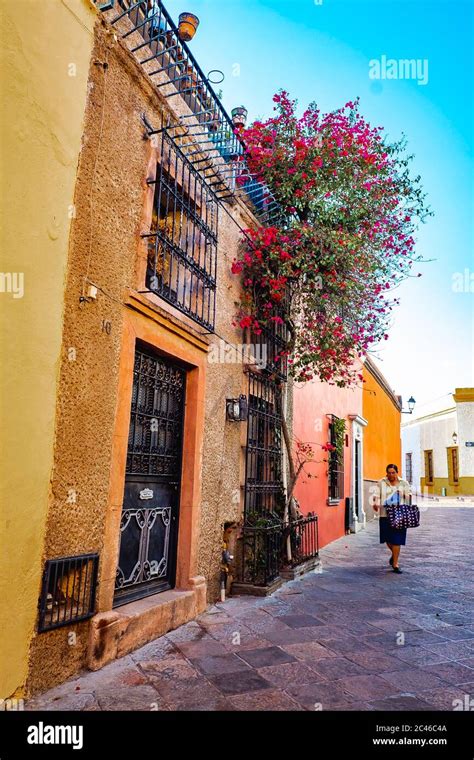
[
  {"x": 239, "y": 116},
  {"x": 214, "y": 121},
  {"x": 190, "y": 79},
  {"x": 187, "y": 26}
]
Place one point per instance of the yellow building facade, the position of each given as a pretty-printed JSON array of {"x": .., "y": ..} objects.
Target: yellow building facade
[{"x": 45, "y": 56}]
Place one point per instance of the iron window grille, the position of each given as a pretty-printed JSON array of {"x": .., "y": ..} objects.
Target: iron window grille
[
  {"x": 335, "y": 466},
  {"x": 182, "y": 242},
  {"x": 273, "y": 341},
  {"x": 264, "y": 495},
  {"x": 409, "y": 468},
  {"x": 153, "y": 39},
  {"x": 269, "y": 348},
  {"x": 271, "y": 344},
  {"x": 68, "y": 591}
]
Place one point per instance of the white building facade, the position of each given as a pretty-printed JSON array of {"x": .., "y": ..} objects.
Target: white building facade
[{"x": 438, "y": 448}]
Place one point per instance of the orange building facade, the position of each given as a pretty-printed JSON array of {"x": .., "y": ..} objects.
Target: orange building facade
[
  {"x": 331, "y": 484},
  {"x": 381, "y": 408}
]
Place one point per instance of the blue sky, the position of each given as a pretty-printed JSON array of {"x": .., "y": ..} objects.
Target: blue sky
[{"x": 321, "y": 51}]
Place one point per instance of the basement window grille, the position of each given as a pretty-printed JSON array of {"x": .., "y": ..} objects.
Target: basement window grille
[
  {"x": 68, "y": 591},
  {"x": 182, "y": 242}
]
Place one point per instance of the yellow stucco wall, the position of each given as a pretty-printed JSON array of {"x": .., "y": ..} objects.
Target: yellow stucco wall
[
  {"x": 465, "y": 486},
  {"x": 43, "y": 43}
]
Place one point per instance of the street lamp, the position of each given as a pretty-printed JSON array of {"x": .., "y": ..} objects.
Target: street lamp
[
  {"x": 411, "y": 406},
  {"x": 455, "y": 438}
]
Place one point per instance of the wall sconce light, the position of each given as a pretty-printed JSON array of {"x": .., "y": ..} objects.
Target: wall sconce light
[
  {"x": 237, "y": 409},
  {"x": 411, "y": 406},
  {"x": 455, "y": 438},
  {"x": 187, "y": 27}
]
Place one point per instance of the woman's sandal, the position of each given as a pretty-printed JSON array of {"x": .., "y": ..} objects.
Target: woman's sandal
[{"x": 397, "y": 570}]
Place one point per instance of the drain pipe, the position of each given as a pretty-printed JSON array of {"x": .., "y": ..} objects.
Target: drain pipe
[{"x": 226, "y": 557}]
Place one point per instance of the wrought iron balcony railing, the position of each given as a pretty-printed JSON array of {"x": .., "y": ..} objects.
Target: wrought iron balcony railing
[{"x": 205, "y": 133}]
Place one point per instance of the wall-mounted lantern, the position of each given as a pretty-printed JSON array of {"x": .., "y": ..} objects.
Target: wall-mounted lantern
[
  {"x": 239, "y": 116},
  {"x": 455, "y": 438},
  {"x": 411, "y": 406},
  {"x": 187, "y": 27},
  {"x": 237, "y": 409}
]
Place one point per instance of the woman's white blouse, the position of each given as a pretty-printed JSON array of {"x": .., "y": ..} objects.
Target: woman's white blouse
[{"x": 386, "y": 489}]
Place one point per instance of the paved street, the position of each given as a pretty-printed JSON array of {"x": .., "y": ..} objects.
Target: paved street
[{"x": 352, "y": 637}]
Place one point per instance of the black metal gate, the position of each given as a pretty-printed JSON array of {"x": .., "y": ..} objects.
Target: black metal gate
[{"x": 149, "y": 525}]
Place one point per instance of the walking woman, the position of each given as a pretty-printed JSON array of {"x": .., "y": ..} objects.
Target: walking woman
[{"x": 390, "y": 489}]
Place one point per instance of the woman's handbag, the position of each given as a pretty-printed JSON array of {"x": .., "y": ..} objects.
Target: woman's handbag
[{"x": 403, "y": 515}]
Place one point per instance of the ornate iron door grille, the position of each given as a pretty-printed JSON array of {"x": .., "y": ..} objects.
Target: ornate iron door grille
[{"x": 149, "y": 525}]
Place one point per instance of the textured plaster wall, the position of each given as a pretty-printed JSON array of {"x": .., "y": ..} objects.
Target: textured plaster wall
[
  {"x": 45, "y": 53},
  {"x": 110, "y": 197}
]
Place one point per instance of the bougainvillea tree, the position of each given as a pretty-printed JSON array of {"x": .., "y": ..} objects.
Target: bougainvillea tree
[{"x": 345, "y": 241}]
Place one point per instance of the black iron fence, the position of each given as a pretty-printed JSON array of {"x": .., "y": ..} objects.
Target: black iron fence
[
  {"x": 261, "y": 554},
  {"x": 303, "y": 538},
  {"x": 267, "y": 550}
]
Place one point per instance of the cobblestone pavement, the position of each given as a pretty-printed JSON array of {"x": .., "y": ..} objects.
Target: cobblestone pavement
[{"x": 355, "y": 636}]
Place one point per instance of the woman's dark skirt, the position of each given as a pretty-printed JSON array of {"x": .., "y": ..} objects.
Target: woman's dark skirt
[{"x": 390, "y": 535}]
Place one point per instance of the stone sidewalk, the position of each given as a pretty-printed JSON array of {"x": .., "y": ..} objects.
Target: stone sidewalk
[{"x": 355, "y": 636}]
